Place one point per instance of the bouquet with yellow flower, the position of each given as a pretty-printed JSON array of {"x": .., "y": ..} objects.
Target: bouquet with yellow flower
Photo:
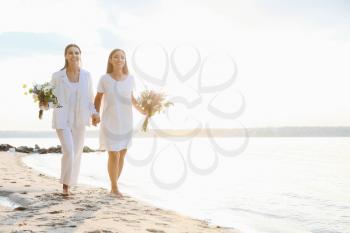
[
  {"x": 152, "y": 102},
  {"x": 43, "y": 93}
]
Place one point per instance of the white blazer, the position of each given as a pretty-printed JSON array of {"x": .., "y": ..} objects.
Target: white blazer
[{"x": 85, "y": 99}]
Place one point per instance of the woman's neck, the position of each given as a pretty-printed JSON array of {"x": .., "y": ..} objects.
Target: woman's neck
[
  {"x": 72, "y": 69},
  {"x": 73, "y": 73},
  {"x": 117, "y": 73}
]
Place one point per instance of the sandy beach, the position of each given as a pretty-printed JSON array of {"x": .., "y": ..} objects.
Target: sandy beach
[{"x": 89, "y": 209}]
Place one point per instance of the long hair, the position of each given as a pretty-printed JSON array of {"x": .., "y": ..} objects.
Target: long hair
[
  {"x": 110, "y": 66},
  {"x": 65, "y": 53}
]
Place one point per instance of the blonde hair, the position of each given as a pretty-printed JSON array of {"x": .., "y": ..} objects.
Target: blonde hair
[
  {"x": 110, "y": 66},
  {"x": 65, "y": 53}
]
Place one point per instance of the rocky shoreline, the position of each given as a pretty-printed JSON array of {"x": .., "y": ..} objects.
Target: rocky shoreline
[{"x": 38, "y": 149}]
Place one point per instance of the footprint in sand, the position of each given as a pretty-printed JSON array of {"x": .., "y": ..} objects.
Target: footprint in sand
[
  {"x": 130, "y": 213},
  {"x": 133, "y": 221},
  {"x": 99, "y": 231},
  {"x": 161, "y": 224},
  {"x": 91, "y": 207},
  {"x": 56, "y": 212},
  {"x": 155, "y": 231}
]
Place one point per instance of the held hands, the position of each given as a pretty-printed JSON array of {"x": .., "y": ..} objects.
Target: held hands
[{"x": 95, "y": 119}]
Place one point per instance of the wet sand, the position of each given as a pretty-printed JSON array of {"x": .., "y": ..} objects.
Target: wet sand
[{"x": 42, "y": 208}]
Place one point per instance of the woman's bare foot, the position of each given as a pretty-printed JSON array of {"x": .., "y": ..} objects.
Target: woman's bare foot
[
  {"x": 65, "y": 191},
  {"x": 116, "y": 194},
  {"x": 120, "y": 195}
]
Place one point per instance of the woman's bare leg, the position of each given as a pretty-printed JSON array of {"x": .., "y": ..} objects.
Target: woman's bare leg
[
  {"x": 120, "y": 163},
  {"x": 112, "y": 170},
  {"x": 121, "y": 158}
]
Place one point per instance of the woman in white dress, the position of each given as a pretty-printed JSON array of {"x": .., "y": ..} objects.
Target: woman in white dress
[
  {"x": 117, "y": 121},
  {"x": 73, "y": 89}
]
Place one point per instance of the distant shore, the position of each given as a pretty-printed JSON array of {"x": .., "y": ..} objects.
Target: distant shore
[{"x": 214, "y": 132}]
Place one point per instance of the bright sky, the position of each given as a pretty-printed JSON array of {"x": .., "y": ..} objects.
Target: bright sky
[{"x": 292, "y": 57}]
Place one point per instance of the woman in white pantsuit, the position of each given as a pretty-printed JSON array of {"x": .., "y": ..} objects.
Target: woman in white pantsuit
[
  {"x": 116, "y": 121},
  {"x": 73, "y": 89}
]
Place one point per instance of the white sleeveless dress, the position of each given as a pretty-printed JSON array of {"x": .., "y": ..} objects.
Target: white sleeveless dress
[{"x": 116, "y": 126}]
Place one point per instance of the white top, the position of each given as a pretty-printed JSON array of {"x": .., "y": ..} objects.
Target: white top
[
  {"x": 116, "y": 119},
  {"x": 72, "y": 104},
  {"x": 72, "y": 96}
]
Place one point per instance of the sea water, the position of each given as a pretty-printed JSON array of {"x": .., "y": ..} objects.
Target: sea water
[{"x": 274, "y": 185}]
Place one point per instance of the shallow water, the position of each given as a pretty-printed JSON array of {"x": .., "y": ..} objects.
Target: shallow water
[{"x": 275, "y": 185}]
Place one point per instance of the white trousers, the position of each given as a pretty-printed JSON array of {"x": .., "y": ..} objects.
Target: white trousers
[{"x": 72, "y": 142}]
